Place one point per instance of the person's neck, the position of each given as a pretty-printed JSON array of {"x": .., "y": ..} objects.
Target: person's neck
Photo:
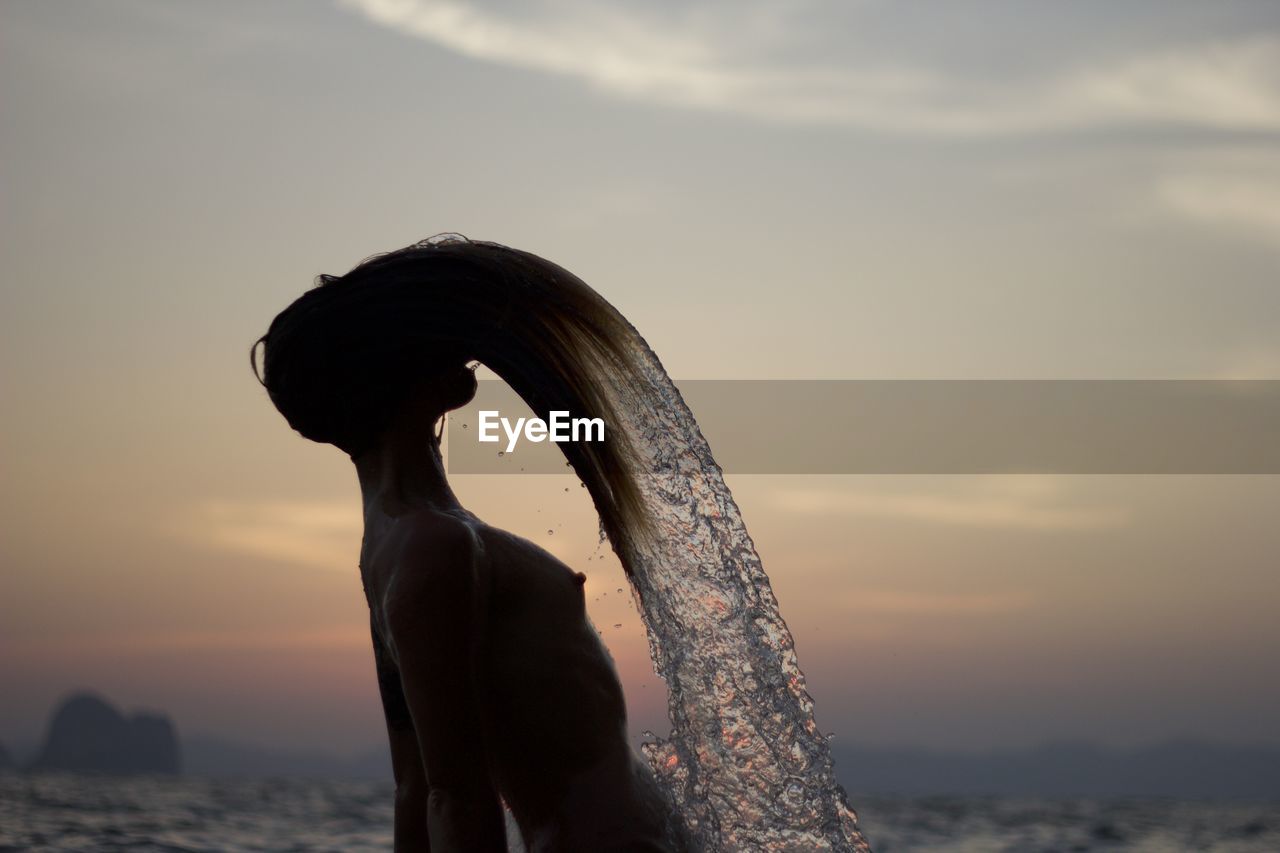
[{"x": 404, "y": 471}]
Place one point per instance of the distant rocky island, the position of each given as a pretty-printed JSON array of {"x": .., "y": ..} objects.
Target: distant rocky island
[{"x": 88, "y": 734}]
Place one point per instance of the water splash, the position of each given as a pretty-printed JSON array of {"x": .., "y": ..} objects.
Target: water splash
[
  {"x": 745, "y": 763},
  {"x": 441, "y": 239}
]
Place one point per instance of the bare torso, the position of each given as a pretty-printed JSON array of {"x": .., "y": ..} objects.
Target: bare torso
[{"x": 485, "y": 647}]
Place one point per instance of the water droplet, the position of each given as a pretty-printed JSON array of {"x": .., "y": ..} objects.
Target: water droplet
[
  {"x": 793, "y": 795},
  {"x": 619, "y": 589},
  {"x": 502, "y": 453},
  {"x": 550, "y": 532},
  {"x": 617, "y": 624},
  {"x": 440, "y": 240},
  {"x": 464, "y": 426}
]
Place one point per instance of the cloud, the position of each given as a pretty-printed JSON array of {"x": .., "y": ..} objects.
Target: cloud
[
  {"x": 1016, "y": 503},
  {"x": 1223, "y": 192},
  {"x": 712, "y": 61},
  {"x": 64, "y": 645},
  {"x": 912, "y": 603},
  {"x": 1244, "y": 205},
  {"x": 1250, "y": 363},
  {"x": 313, "y": 533},
  {"x": 320, "y": 534},
  {"x": 1223, "y": 85}
]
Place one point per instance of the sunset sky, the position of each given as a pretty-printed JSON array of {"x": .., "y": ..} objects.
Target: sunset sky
[{"x": 822, "y": 189}]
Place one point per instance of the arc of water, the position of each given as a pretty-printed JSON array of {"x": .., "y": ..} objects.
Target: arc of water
[{"x": 745, "y": 763}]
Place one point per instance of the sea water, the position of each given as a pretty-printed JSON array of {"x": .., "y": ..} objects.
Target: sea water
[{"x": 95, "y": 814}]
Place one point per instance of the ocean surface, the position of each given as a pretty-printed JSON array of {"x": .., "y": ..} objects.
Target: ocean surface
[{"x": 87, "y": 813}]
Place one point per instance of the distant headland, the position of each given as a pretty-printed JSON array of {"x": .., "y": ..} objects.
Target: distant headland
[{"x": 88, "y": 734}]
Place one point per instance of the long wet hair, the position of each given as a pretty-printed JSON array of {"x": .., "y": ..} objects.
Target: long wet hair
[{"x": 343, "y": 359}]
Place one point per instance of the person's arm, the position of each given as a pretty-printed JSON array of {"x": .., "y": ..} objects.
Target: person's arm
[
  {"x": 430, "y": 618},
  {"x": 406, "y": 760}
]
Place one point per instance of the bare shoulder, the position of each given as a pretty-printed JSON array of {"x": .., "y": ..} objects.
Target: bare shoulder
[
  {"x": 436, "y": 549},
  {"x": 431, "y": 537},
  {"x": 429, "y": 588},
  {"x": 435, "y": 556}
]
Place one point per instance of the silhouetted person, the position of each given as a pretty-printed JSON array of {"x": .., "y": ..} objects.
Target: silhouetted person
[{"x": 495, "y": 685}]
